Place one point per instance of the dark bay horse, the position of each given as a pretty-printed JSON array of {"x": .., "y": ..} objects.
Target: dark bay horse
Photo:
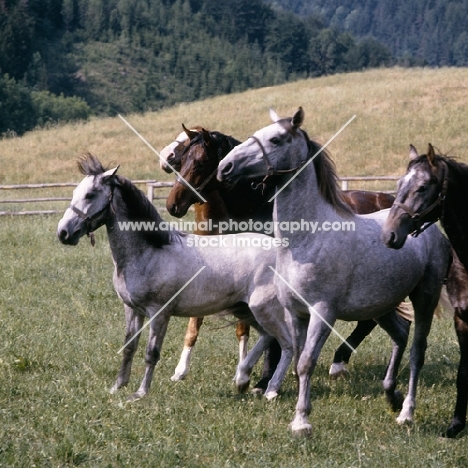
[
  {"x": 436, "y": 187},
  {"x": 160, "y": 273},
  {"x": 344, "y": 273},
  {"x": 196, "y": 157}
]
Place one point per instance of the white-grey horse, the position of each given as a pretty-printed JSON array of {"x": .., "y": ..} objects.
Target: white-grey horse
[
  {"x": 334, "y": 265},
  {"x": 156, "y": 272}
]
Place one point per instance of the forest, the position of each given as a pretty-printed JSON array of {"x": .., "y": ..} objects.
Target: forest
[
  {"x": 62, "y": 60},
  {"x": 427, "y": 32}
]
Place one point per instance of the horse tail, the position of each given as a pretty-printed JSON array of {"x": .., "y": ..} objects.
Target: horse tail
[{"x": 444, "y": 308}]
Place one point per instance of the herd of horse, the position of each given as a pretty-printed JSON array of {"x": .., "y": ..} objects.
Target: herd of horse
[{"x": 292, "y": 294}]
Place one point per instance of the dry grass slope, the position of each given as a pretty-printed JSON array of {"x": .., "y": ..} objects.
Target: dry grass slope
[{"x": 394, "y": 107}]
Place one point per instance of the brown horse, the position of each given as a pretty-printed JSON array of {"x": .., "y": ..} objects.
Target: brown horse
[
  {"x": 217, "y": 208},
  {"x": 436, "y": 187},
  {"x": 197, "y": 157}
]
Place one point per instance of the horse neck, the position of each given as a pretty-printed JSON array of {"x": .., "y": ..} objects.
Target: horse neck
[
  {"x": 454, "y": 219},
  {"x": 128, "y": 238},
  {"x": 213, "y": 209},
  {"x": 302, "y": 199}
]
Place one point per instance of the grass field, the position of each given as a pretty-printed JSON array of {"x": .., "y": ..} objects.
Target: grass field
[
  {"x": 61, "y": 323},
  {"x": 61, "y": 326}
]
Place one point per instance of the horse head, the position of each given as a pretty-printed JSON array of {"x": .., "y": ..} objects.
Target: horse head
[
  {"x": 198, "y": 167},
  {"x": 171, "y": 154},
  {"x": 91, "y": 201},
  {"x": 273, "y": 150},
  {"x": 420, "y": 198}
]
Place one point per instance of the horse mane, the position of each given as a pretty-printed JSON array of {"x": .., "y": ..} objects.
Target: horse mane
[
  {"x": 135, "y": 204},
  {"x": 327, "y": 178},
  {"x": 89, "y": 165},
  {"x": 451, "y": 161},
  {"x": 224, "y": 143}
]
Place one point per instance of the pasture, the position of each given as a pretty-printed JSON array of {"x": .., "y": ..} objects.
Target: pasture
[{"x": 61, "y": 323}]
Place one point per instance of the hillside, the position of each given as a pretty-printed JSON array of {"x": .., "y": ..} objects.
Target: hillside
[
  {"x": 394, "y": 107},
  {"x": 121, "y": 56},
  {"x": 416, "y": 31}
]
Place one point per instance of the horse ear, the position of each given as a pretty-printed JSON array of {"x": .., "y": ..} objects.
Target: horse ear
[
  {"x": 431, "y": 154},
  {"x": 298, "y": 118},
  {"x": 190, "y": 133},
  {"x": 413, "y": 154},
  {"x": 110, "y": 173},
  {"x": 274, "y": 116},
  {"x": 206, "y": 136}
]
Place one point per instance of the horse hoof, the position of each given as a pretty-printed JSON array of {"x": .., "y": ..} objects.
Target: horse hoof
[
  {"x": 135, "y": 397},
  {"x": 271, "y": 395},
  {"x": 257, "y": 391},
  {"x": 303, "y": 430},
  {"x": 178, "y": 377},
  {"x": 450, "y": 433},
  {"x": 262, "y": 384},
  {"x": 338, "y": 370},
  {"x": 115, "y": 388},
  {"x": 456, "y": 426},
  {"x": 404, "y": 419},
  {"x": 242, "y": 388},
  {"x": 396, "y": 401}
]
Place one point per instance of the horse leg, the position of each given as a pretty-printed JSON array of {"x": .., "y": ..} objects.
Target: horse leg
[
  {"x": 191, "y": 335},
  {"x": 157, "y": 332},
  {"x": 275, "y": 325},
  {"x": 343, "y": 352},
  {"x": 458, "y": 422},
  {"x": 271, "y": 361},
  {"x": 317, "y": 334},
  {"x": 244, "y": 369},
  {"x": 458, "y": 294},
  {"x": 398, "y": 329},
  {"x": 242, "y": 334},
  {"x": 424, "y": 306},
  {"x": 134, "y": 322}
]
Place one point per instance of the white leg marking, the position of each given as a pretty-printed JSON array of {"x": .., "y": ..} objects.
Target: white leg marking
[
  {"x": 182, "y": 368},
  {"x": 337, "y": 370}
]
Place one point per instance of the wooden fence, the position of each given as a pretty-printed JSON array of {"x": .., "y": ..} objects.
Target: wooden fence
[{"x": 154, "y": 191}]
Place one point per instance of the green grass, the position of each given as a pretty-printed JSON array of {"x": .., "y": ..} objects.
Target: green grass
[{"x": 61, "y": 325}]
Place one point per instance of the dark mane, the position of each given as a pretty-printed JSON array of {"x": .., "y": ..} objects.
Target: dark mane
[
  {"x": 133, "y": 203},
  {"x": 327, "y": 177},
  {"x": 451, "y": 161},
  {"x": 89, "y": 165},
  {"x": 136, "y": 206},
  {"x": 223, "y": 143}
]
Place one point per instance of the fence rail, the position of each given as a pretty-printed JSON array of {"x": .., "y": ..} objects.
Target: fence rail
[{"x": 152, "y": 189}]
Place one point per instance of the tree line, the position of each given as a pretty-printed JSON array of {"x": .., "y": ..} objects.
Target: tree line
[
  {"x": 66, "y": 59},
  {"x": 419, "y": 31}
]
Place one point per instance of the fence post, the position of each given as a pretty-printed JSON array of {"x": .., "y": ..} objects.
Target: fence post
[
  {"x": 150, "y": 191},
  {"x": 344, "y": 185}
]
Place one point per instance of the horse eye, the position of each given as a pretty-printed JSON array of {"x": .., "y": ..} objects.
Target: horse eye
[
  {"x": 275, "y": 141},
  {"x": 90, "y": 196},
  {"x": 422, "y": 188}
]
